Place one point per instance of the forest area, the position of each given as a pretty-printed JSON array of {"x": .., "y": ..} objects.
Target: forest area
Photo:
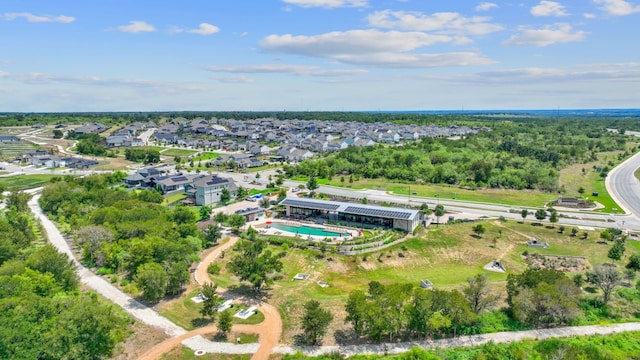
[
  {"x": 44, "y": 312},
  {"x": 513, "y": 155}
]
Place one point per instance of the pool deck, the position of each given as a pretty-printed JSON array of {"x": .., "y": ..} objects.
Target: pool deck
[{"x": 263, "y": 228}]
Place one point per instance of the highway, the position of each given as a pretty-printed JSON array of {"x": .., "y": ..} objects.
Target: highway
[{"x": 624, "y": 187}]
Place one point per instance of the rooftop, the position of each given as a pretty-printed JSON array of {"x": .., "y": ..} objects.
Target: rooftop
[{"x": 351, "y": 208}]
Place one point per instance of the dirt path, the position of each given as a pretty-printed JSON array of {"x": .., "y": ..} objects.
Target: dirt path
[{"x": 269, "y": 331}]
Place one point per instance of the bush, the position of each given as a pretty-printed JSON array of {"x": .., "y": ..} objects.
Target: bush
[
  {"x": 213, "y": 269},
  {"x": 104, "y": 271}
]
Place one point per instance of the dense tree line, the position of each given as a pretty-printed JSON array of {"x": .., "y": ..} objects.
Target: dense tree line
[
  {"x": 148, "y": 156},
  {"x": 43, "y": 312},
  {"x": 128, "y": 232},
  {"x": 525, "y": 155}
]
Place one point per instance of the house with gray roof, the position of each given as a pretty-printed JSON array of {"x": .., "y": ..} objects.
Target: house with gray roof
[{"x": 207, "y": 189}]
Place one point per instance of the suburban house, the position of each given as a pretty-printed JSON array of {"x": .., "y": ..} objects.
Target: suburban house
[
  {"x": 207, "y": 189},
  {"x": 9, "y": 139},
  {"x": 91, "y": 128},
  {"x": 251, "y": 213}
]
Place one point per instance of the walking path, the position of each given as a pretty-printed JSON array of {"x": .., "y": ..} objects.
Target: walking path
[{"x": 464, "y": 341}]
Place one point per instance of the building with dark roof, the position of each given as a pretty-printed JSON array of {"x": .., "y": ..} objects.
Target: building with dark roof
[
  {"x": 365, "y": 215},
  {"x": 207, "y": 189}
]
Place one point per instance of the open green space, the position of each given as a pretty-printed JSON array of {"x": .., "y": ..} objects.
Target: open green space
[
  {"x": 185, "y": 313},
  {"x": 205, "y": 156},
  {"x": 173, "y": 197},
  {"x": 9, "y": 151},
  {"x": 24, "y": 182},
  {"x": 178, "y": 152}
]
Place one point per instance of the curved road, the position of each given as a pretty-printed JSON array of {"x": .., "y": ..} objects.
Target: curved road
[{"x": 624, "y": 187}]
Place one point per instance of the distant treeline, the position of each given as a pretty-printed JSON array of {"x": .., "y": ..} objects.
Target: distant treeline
[{"x": 22, "y": 119}]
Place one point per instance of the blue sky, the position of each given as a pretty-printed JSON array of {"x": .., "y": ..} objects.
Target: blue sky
[{"x": 255, "y": 55}]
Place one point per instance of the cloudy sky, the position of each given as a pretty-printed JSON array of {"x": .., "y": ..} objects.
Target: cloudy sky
[{"x": 143, "y": 55}]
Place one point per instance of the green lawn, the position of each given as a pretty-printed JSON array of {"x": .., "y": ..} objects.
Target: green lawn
[
  {"x": 24, "y": 182},
  {"x": 178, "y": 152},
  {"x": 171, "y": 198},
  {"x": 205, "y": 156}
]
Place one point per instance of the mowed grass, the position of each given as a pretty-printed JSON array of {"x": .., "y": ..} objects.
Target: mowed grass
[
  {"x": 422, "y": 192},
  {"x": 573, "y": 178},
  {"x": 205, "y": 156},
  {"x": 447, "y": 255},
  {"x": 24, "y": 182},
  {"x": 173, "y": 197},
  {"x": 186, "y": 313},
  {"x": 177, "y": 152}
]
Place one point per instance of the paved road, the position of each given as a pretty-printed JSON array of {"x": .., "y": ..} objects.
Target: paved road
[{"x": 624, "y": 187}]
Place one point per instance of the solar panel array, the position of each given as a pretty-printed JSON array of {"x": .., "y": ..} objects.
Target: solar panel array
[
  {"x": 311, "y": 204},
  {"x": 179, "y": 178},
  {"x": 378, "y": 212}
]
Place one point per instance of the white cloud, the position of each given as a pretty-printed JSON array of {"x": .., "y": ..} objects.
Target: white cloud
[
  {"x": 299, "y": 70},
  {"x": 351, "y": 42},
  {"x": 617, "y": 7},
  {"x": 548, "y": 35},
  {"x": 328, "y": 4},
  {"x": 445, "y": 22},
  {"x": 486, "y": 6},
  {"x": 205, "y": 29},
  {"x": 38, "y": 18},
  {"x": 404, "y": 60},
  {"x": 589, "y": 16},
  {"x": 235, "y": 80},
  {"x": 548, "y": 8},
  {"x": 137, "y": 27}
]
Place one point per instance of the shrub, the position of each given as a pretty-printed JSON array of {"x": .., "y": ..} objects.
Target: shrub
[{"x": 213, "y": 269}]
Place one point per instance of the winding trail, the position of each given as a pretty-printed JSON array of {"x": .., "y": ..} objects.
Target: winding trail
[{"x": 269, "y": 330}]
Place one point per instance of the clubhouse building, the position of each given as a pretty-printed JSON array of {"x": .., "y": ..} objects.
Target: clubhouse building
[{"x": 353, "y": 214}]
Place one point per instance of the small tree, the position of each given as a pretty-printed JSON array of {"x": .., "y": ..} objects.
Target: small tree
[
  {"x": 606, "y": 278},
  {"x": 617, "y": 250},
  {"x": 210, "y": 304},
  {"x": 439, "y": 212},
  {"x": 524, "y": 213},
  {"x": 225, "y": 196},
  {"x": 315, "y": 321},
  {"x": 478, "y": 230},
  {"x": 553, "y": 218},
  {"x": 541, "y": 214},
  {"x": 212, "y": 234},
  {"x": 581, "y": 191},
  {"x": 237, "y": 221},
  {"x": 265, "y": 202},
  {"x": 561, "y": 229},
  {"x": 225, "y": 322},
  {"x": 312, "y": 184},
  {"x": 478, "y": 294},
  {"x": 634, "y": 262},
  {"x": 574, "y": 232},
  {"x": 205, "y": 212}
]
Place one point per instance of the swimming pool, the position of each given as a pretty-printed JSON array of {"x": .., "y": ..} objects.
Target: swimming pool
[{"x": 307, "y": 230}]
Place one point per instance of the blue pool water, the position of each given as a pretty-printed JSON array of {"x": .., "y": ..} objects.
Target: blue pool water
[{"x": 306, "y": 230}]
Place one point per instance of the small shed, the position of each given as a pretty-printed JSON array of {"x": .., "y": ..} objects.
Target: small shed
[
  {"x": 426, "y": 284},
  {"x": 301, "y": 276},
  {"x": 496, "y": 266},
  {"x": 537, "y": 244}
]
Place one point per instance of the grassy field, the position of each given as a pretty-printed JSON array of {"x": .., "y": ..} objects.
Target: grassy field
[
  {"x": 171, "y": 198},
  {"x": 496, "y": 196},
  {"x": 24, "y": 182},
  {"x": 446, "y": 255},
  {"x": 185, "y": 312},
  {"x": 10, "y": 151},
  {"x": 205, "y": 156},
  {"x": 177, "y": 152},
  {"x": 574, "y": 178}
]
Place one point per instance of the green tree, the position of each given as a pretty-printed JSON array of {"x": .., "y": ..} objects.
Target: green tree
[
  {"x": 183, "y": 215},
  {"x": 225, "y": 321},
  {"x": 282, "y": 194},
  {"x": 553, "y": 218},
  {"x": 57, "y": 134},
  {"x": 312, "y": 184},
  {"x": 634, "y": 262},
  {"x": 439, "y": 212},
  {"x": 265, "y": 202},
  {"x": 574, "y": 232},
  {"x": 220, "y": 217},
  {"x": 356, "y": 308},
  {"x": 18, "y": 201},
  {"x": 524, "y": 213},
  {"x": 547, "y": 304},
  {"x": 617, "y": 250},
  {"x": 254, "y": 262},
  {"x": 212, "y": 234},
  {"x": 478, "y": 294},
  {"x": 315, "y": 321},
  {"x": 209, "y": 292},
  {"x": 177, "y": 277},
  {"x": 606, "y": 278},
  {"x": 152, "y": 280},
  {"x": 225, "y": 196},
  {"x": 205, "y": 212},
  {"x": 236, "y": 221},
  {"x": 48, "y": 260},
  {"x": 478, "y": 229},
  {"x": 540, "y": 214}
]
